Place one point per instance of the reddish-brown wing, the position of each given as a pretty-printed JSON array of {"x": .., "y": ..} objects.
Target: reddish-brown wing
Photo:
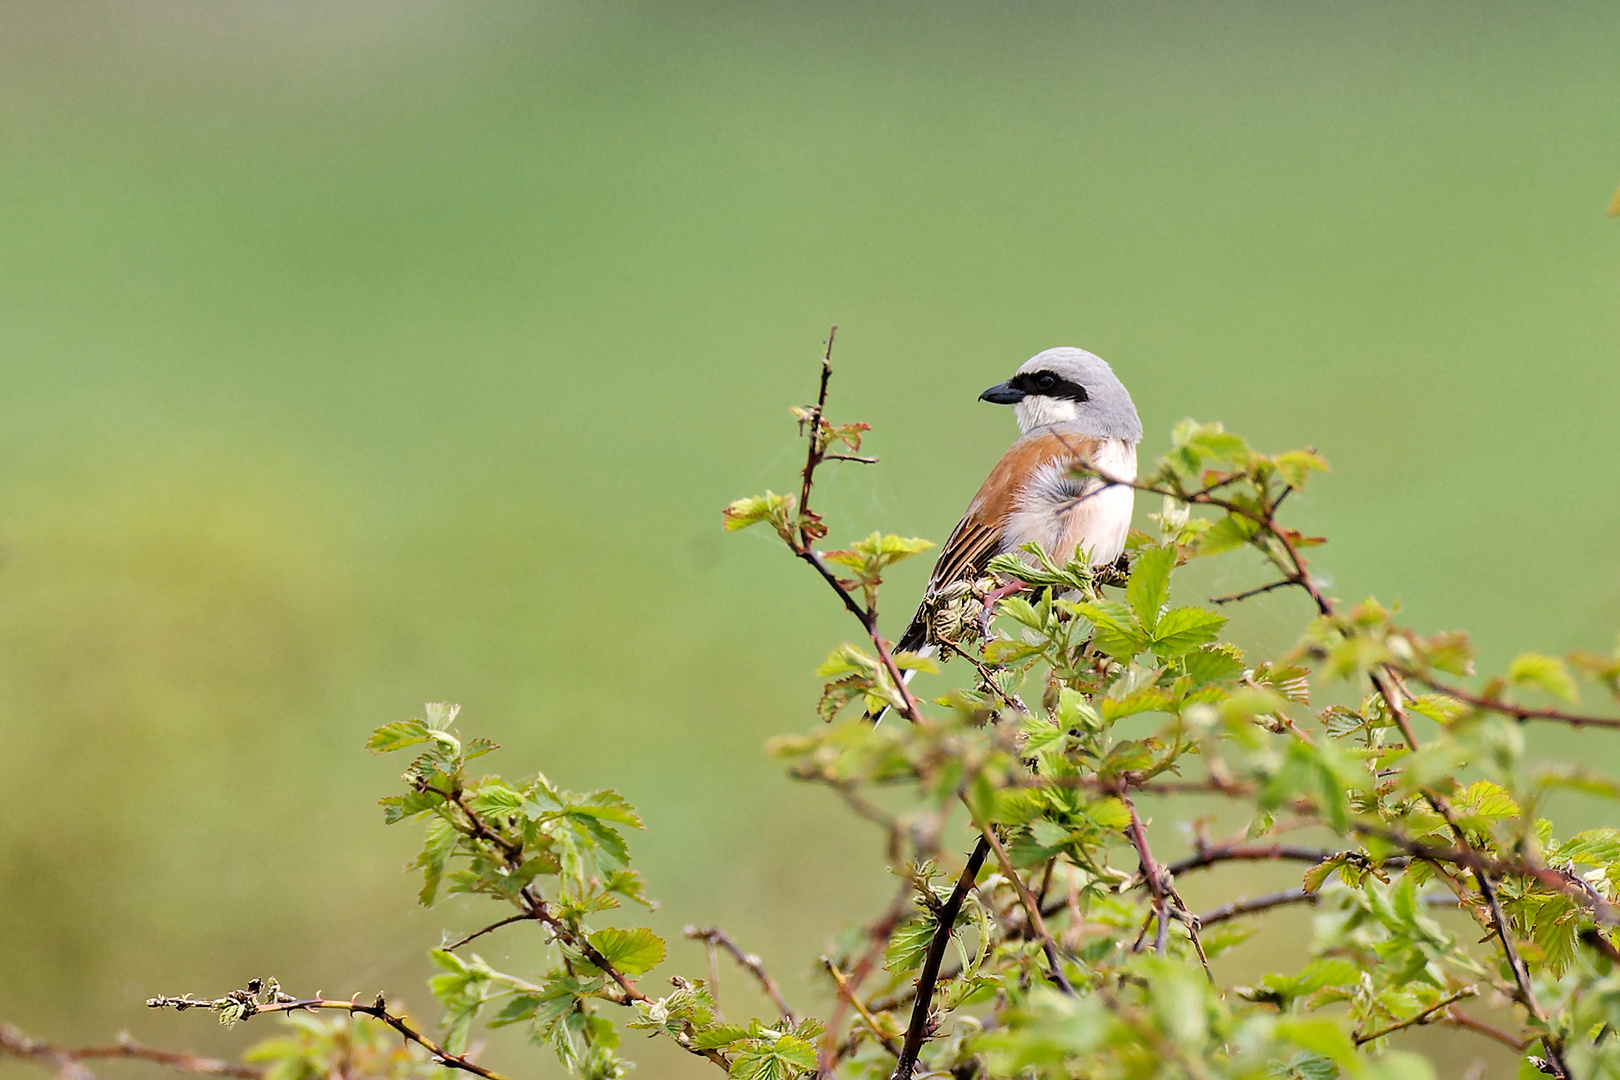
[{"x": 977, "y": 537}]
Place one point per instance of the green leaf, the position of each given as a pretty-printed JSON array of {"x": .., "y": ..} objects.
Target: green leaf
[
  {"x": 787, "y": 1057},
  {"x": 1321, "y": 1036},
  {"x": 1548, "y": 673},
  {"x": 1231, "y": 531},
  {"x": 1294, "y": 465},
  {"x": 397, "y": 736},
  {"x": 1214, "y": 663},
  {"x": 909, "y": 944},
  {"x": 1184, "y": 629},
  {"x": 441, "y": 714},
  {"x": 770, "y": 507},
  {"x": 1149, "y": 585},
  {"x": 1117, "y": 632},
  {"x": 439, "y": 842},
  {"x": 632, "y": 952}
]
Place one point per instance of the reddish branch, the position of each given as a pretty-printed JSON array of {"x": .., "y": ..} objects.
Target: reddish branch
[
  {"x": 1520, "y": 713},
  {"x": 1258, "y": 903},
  {"x": 1161, "y": 884},
  {"x": 802, "y": 536},
  {"x": 66, "y": 1060}
]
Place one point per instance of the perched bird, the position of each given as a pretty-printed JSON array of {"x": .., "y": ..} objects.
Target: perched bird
[{"x": 1071, "y": 408}]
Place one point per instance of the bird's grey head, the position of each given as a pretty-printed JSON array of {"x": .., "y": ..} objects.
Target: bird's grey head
[{"x": 1072, "y": 389}]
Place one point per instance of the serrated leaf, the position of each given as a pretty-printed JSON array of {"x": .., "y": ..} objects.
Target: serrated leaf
[
  {"x": 1184, "y": 629},
  {"x": 1294, "y": 465},
  {"x": 1149, "y": 586},
  {"x": 397, "y": 736},
  {"x": 1214, "y": 663},
  {"x": 909, "y": 944},
  {"x": 632, "y": 952}
]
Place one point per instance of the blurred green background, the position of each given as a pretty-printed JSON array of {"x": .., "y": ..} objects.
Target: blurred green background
[{"x": 355, "y": 354}]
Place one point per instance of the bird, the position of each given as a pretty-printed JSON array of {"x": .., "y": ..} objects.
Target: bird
[{"x": 1071, "y": 409}]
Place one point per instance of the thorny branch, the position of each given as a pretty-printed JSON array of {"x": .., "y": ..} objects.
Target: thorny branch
[
  {"x": 67, "y": 1061},
  {"x": 716, "y": 938},
  {"x": 248, "y": 1005},
  {"x": 917, "y": 1030}
]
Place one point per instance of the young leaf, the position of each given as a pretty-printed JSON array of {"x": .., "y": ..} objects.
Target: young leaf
[{"x": 632, "y": 952}]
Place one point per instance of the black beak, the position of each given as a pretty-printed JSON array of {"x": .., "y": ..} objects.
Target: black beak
[{"x": 1003, "y": 393}]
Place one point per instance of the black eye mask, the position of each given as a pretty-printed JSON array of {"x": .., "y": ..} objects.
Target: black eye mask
[{"x": 1048, "y": 384}]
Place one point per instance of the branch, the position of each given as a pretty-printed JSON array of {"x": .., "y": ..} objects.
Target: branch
[
  {"x": 1031, "y": 906},
  {"x": 1249, "y": 593},
  {"x": 1463, "y": 1020},
  {"x": 917, "y": 1030},
  {"x": 879, "y": 932},
  {"x": 522, "y": 916},
  {"x": 1205, "y": 855},
  {"x": 65, "y": 1060},
  {"x": 847, "y": 994},
  {"x": 1520, "y": 713},
  {"x": 714, "y": 937},
  {"x": 1259, "y": 903},
  {"x": 1161, "y": 884},
  {"x": 1421, "y": 1018},
  {"x": 378, "y": 1010}
]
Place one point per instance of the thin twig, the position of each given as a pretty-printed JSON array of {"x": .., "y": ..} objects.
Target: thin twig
[
  {"x": 1161, "y": 885},
  {"x": 847, "y": 993},
  {"x": 1421, "y": 1018},
  {"x": 65, "y": 1060},
  {"x": 879, "y": 933},
  {"x": 1463, "y": 1020},
  {"x": 1249, "y": 593},
  {"x": 1518, "y": 712},
  {"x": 522, "y": 916},
  {"x": 1258, "y": 903},
  {"x": 715, "y": 937}
]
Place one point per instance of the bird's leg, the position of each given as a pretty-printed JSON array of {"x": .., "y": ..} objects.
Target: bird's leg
[{"x": 991, "y": 599}]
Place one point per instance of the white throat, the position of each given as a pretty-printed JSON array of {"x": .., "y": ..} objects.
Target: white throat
[{"x": 1038, "y": 411}]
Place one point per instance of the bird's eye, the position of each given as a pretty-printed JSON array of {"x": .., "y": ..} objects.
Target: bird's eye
[{"x": 1045, "y": 380}]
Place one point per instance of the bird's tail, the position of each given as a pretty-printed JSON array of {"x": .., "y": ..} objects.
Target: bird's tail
[{"x": 924, "y": 651}]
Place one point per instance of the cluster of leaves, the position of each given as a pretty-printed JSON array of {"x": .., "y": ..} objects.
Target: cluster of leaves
[{"x": 1061, "y": 946}]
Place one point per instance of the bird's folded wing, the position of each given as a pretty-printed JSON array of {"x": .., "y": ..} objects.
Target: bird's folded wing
[{"x": 978, "y": 537}]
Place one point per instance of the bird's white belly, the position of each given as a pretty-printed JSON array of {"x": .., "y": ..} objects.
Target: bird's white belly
[{"x": 1064, "y": 513}]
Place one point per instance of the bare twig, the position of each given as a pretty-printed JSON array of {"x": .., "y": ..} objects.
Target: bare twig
[
  {"x": 1258, "y": 903},
  {"x": 878, "y": 932},
  {"x": 847, "y": 993},
  {"x": 1161, "y": 884},
  {"x": 524, "y": 916},
  {"x": 917, "y": 1030},
  {"x": 715, "y": 937},
  {"x": 1463, "y": 1020},
  {"x": 66, "y": 1060},
  {"x": 1249, "y": 593}
]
